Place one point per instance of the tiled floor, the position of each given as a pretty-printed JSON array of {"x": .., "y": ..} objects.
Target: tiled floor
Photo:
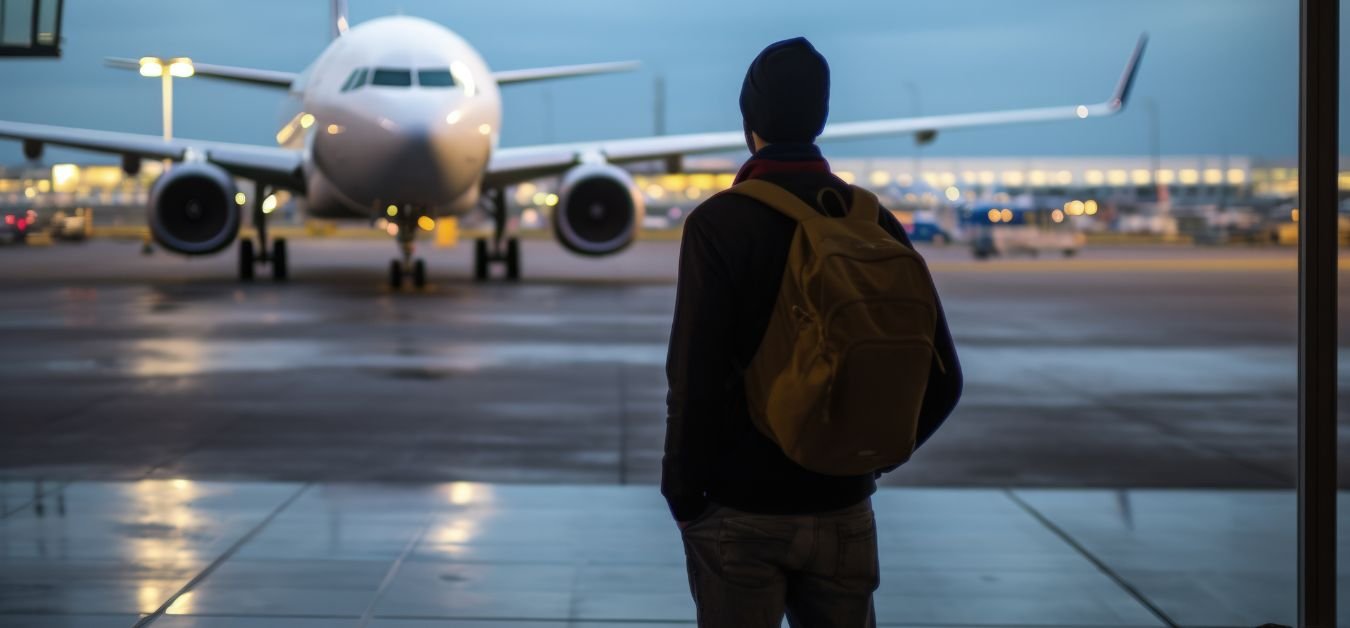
[{"x": 176, "y": 553}]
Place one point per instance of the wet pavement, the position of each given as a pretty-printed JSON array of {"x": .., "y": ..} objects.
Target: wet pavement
[
  {"x": 457, "y": 555},
  {"x": 1144, "y": 367},
  {"x": 180, "y": 450}
]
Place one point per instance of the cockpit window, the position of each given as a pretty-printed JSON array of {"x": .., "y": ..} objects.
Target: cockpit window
[
  {"x": 392, "y": 78},
  {"x": 351, "y": 80},
  {"x": 357, "y": 79},
  {"x": 439, "y": 77}
]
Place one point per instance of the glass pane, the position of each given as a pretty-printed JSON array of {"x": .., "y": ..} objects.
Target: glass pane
[
  {"x": 392, "y": 78},
  {"x": 47, "y": 26},
  {"x": 16, "y": 23},
  {"x": 1343, "y": 335},
  {"x": 435, "y": 78}
]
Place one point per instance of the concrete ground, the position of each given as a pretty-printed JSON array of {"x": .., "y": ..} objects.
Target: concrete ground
[
  {"x": 1152, "y": 367},
  {"x": 181, "y": 450}
]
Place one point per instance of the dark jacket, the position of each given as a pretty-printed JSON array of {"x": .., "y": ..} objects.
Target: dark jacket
[{"x": 732, "y": 257}]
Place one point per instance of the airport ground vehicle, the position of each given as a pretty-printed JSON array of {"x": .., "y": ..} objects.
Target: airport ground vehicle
[
  {"x": 13, "y": 229},
  {"x": 74, "y": 226},
  {"x": 1005, "y": 230},
  {"x": 927, "y": 231},
  {"x": 1285, "y": 231}
]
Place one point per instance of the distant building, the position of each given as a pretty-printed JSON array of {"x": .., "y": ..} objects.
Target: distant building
[{"x": 1128, "y": 184}]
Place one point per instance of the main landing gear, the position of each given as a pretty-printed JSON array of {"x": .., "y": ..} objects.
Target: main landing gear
[
  {"x": 500, "y": 249},
  {"x": 407, "y": 266},
  {"x": 249, "y": 256}
]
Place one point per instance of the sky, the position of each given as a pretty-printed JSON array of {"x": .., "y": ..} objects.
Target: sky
[{"x": 1223, "y": 73}]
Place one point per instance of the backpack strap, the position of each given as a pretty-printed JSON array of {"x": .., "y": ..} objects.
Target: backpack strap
[
  {"x": 865, "y": 205},
  {"x": 776, "y": 197}
]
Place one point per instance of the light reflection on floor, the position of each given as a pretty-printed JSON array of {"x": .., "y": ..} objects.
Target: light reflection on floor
[{"x": 292, "y": 554}]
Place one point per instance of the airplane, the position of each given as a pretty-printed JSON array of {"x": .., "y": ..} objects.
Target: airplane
[{"x": 399, "y": 117}]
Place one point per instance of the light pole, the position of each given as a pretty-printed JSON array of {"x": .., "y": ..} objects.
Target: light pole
[
  {"x": 918, "y": 111},
  {"x": 659, "y": 105},
  {"x": 180, "y": 67},
  {"x": 1155, "y": 144}
]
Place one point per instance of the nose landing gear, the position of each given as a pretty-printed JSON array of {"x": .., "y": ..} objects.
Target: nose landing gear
[
  {"x": 413, "y": 268},
  {"x": 500, "y": 249},
  {"x": 276, "y": 256}
]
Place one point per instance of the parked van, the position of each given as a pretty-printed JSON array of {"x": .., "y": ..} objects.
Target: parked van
[{"x": 1008, "y": 229}]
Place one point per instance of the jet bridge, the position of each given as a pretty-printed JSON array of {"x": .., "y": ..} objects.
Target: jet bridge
[{"x": 30, "y": 28}]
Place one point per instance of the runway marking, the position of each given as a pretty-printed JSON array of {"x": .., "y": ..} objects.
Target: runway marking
[{"x": 1231, "y": 264}]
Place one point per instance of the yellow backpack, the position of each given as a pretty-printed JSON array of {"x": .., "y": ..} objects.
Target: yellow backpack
[{"x": 840, "y": 374}]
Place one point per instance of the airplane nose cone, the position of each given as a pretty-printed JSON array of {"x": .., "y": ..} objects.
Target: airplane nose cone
[{"x": 423, "y": 153}]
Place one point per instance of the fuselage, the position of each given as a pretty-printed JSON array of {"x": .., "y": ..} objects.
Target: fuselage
[{"x": 398, "y": 111}]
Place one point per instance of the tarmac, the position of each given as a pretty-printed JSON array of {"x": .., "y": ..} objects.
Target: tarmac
[{"x": 183, "y": 450}]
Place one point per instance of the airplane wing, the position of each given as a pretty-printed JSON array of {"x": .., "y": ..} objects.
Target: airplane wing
[
  {"x": 266, "y": 164},
  {"x": 509, "y": 77},
  {"x": 252, "y": 76},
  {"x": 511, "y": 165}
]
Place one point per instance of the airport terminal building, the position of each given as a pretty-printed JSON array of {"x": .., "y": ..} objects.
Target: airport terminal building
[{"x": 1194, "y": 191}]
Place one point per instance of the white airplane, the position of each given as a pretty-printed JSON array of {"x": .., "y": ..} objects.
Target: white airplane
[{"x": 400, "y": 117}]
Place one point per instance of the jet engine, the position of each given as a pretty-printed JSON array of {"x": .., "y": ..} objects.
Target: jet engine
[
  {"x": 192, "y": 209},
  {"x": 598, "y": 210}
]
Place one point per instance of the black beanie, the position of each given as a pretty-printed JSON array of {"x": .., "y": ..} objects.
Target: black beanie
[{"x": 786, "y": 94}]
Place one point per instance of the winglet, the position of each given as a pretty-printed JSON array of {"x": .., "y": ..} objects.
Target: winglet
[{"x": 1122, "y": 92}]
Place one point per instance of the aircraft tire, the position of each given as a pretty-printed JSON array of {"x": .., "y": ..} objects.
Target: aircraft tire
[
  {"x": 279, "y": 260},
  {"x": 480, "y": 260},
  {"x": 513, "y": 259},
  {"x": 246, "y": 260},
  {"x": 419, "y": 274},
  {"x": 395, "y": 274}
]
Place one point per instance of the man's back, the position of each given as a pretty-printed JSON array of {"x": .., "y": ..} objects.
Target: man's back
[
  {"x": 764, "y": 536},
  {"x": 733, "y": 256}
]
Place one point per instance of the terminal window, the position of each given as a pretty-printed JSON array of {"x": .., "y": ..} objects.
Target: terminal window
[{"x": 30, "y": 28}]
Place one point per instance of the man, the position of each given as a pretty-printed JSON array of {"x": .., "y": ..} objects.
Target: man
[{"x": 763, "y": 535}]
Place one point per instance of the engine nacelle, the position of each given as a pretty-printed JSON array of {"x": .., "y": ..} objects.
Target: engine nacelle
[
  {"x": 192, "y": 209},
  {"x": 598, "y": 210}
]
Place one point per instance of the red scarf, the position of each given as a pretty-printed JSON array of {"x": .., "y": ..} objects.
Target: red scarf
[{"x": 758, "y": 167}]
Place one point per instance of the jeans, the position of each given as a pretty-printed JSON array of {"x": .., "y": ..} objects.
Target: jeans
[{"x": 746, "y": 570}]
